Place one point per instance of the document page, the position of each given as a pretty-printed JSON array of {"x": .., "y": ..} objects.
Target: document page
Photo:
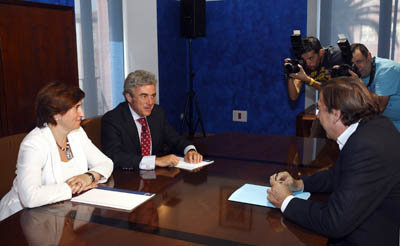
[
  {"x": 114, "y": 198},
  {"x": 189, "y": 166},
  {"x": 257, "y": 195}
]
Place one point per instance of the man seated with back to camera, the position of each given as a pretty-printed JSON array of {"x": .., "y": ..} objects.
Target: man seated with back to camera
[
  {"x": 382, "y": 77},
  {"x": 319, "y": 62},
  {"x": 364, "y": 186},
  {"x": 135, "y": 133}
]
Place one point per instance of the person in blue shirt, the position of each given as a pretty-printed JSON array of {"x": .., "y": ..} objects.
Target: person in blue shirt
[{"x": 382, "y": 76}]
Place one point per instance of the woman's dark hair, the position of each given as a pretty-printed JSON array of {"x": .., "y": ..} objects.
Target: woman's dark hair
[
  {"x": 55, "y": 98},
  {"x": 351, "y": 98}
]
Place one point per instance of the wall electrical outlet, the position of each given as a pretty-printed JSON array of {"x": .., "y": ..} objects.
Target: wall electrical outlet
[{"x": 239, "y": 115}]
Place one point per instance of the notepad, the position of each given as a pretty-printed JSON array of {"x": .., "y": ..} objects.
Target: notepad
[
  {"x": 113, "y": 198},
  {"x": 257, "y": 195},
  {"x": 189, "y": 166}
]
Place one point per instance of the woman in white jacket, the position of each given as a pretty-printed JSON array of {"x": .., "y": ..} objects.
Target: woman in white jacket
[{"x": 56, "y": 159}]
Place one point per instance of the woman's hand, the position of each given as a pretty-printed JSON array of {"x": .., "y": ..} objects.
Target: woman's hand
[{"x": 81, "y": 183}]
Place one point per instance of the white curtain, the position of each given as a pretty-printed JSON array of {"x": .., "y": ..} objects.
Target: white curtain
[
  {"x": 102, "y": 57},
  {"x": 93, "y": 42}
]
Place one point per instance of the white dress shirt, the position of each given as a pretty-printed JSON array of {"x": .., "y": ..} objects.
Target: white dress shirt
[
  {"x": 341, "y": 141},
  {"x": 149, "y": 162}
]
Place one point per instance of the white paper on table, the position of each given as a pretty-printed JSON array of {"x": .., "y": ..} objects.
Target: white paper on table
[
  {"x": 189, "y": 166},
  {"x": 114, "y": 198},
  {"x": 257, "y": 195}
]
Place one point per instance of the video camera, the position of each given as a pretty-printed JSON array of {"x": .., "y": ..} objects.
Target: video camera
[
  {"x": 343, "y": 70},
  {"x": 291, "y": 66}
]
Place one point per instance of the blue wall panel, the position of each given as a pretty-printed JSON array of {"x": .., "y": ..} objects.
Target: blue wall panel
[
  {"x": 247, "y": 42},
  {"x": 238, "y": 64},
  {"x": 172, "y": 60},
  {"x": 56, "y": 2}
]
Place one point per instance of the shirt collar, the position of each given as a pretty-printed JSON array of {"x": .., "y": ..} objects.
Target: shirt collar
[
  {"x": 134, "y": 114},
  {"x": 342, "y": 139}
]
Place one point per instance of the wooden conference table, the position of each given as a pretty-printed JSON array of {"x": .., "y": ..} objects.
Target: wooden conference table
[{"x": 189, "y": 208}]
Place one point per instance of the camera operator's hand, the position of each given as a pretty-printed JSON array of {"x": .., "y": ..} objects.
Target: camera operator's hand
[
  {"x": 354, "y": 76},
  {"x": 294, "y": 84},
  {"x": 301, "y": 75},
  {"x": 295, "y": 81}
]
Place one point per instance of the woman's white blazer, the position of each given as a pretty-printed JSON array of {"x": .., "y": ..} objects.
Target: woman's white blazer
[{"x": 39, "y": 180}]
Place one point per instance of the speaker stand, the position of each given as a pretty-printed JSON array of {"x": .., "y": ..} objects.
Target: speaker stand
[{"x": 190, "y": 99}]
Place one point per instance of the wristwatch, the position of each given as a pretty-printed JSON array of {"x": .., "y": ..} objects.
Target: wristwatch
[{"x": 91, "y": 176}]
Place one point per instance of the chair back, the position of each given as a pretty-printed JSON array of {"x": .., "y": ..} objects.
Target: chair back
[
  {"x": 92, "y": 127},
  {"x": 9, "y": 147}
]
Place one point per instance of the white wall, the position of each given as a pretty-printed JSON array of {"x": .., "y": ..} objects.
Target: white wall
[
  {"x": 140, "y": 36},
  {"x": 313, "y": 15}
]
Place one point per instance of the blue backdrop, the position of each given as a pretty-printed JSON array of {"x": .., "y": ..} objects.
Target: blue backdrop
[{"x": 238, "y": 65}]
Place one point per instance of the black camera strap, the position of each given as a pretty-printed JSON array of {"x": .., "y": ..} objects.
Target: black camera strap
[{"x": 372, "y": 74}]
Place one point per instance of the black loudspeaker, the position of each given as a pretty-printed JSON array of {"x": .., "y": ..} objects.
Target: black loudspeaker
[{"x": 193, "y": 18}]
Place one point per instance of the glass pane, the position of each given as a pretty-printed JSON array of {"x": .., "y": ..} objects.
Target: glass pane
[{"x": 359, "y": 20}]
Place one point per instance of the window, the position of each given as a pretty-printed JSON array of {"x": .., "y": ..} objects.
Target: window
[{"x": 372, "y": 22}]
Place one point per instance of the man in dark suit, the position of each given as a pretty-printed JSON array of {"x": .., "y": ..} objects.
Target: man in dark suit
[
  {"x": 135, "y": 133},
  {"x": 364, "y": 204}
]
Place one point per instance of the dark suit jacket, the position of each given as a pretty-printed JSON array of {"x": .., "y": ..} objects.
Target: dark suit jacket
[
  {"x": 364, "y": 205},
  {"x": 120, "y": 139}
]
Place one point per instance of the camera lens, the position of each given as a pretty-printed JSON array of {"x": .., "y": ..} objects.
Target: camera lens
[
  {"x": 291, "y": 68},
  {"x": 288, "y": 67}
]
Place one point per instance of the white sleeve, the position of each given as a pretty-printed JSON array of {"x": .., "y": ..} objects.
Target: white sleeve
[
  {"x": 148, "y": 162},
  {"x": 97, "y": 161},
  {"x": 189, "y": 147},
  {"x": 286, "y": 202},
  {"x": 34, "y": 154}
]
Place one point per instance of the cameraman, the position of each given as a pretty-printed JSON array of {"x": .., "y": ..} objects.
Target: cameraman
[
  {"x": 319, "y": 62},
  {"x": 382, "y": 76}
]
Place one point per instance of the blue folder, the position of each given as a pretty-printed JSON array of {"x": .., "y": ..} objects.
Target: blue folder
[{"x": 257, "y": 195}]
